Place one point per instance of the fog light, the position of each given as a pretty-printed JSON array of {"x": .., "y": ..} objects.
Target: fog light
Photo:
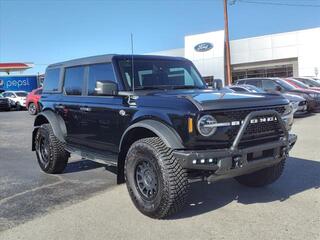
[
  {"x": 210, "y": 160},
  {"x": 194, "y": 161},
  {"x": 202, "y": 160}
]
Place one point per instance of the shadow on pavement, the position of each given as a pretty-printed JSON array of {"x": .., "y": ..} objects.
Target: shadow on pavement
[
  {"x": 82, "y": 165},
  {"x": 299, "y": 175}
]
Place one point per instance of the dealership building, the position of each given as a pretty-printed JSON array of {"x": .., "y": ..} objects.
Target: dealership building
[{"x": 286, "y": 54}]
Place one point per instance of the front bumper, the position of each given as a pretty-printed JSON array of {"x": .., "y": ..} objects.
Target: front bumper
[{"x": 234, "y": 161}]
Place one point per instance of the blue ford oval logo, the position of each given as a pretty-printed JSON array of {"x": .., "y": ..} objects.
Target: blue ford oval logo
[{"x": 203, "y": 47}]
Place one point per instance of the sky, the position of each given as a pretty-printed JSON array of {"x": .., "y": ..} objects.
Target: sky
[{"x": 48, "y": 31}]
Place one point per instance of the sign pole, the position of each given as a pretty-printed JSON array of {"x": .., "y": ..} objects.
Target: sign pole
[{"x": 228, "y": 78}]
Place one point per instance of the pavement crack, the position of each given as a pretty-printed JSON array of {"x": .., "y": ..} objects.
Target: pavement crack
[{"x": 61, "y": 180}]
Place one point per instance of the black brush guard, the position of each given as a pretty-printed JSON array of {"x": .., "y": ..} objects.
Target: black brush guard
[{"x": 233, "y": 161}]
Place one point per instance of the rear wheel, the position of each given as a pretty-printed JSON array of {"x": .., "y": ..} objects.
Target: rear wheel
[
  {"x": 262, "y": 177},
  {"x": 32, "y": 109},
  {"x": 156, "y": 182},
  {"x": 51, "y": 155}
]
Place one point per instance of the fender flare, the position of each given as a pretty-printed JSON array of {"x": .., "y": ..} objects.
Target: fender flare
[
  {"x": 167, "y": 134},
  {"x": 57, "y": 123}
]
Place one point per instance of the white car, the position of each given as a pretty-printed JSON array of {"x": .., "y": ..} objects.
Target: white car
[{"x": 17, "y": 97}]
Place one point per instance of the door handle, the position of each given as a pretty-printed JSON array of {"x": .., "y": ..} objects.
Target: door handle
[{"x": 85, "y": 109}]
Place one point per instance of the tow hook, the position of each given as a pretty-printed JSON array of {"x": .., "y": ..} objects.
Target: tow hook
[{"x": 237, "y": 162}]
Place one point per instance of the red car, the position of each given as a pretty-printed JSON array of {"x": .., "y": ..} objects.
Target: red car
[
  {"x": 301, "y": 85},
  {"x": 33, "y": 100}
]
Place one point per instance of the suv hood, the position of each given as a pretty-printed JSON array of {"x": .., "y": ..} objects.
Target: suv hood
[{"x": 213, "y": 99}]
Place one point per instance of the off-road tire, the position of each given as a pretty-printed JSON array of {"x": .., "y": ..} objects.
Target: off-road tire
[
  {"x": 172, "y": 179},
  {"x": 32, "y": 109},
  {"x": 262, "y": 177},
  {"x": 58, "y": 156}
]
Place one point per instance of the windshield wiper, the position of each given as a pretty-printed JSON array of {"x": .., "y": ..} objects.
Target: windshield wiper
[
  {"x": 166, "y": 87},
  {"x": 150, "y": 88},
  {"x": 185, "y": 87}
]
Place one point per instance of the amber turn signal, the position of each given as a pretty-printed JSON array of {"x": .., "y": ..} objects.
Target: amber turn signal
[{"x": 190, "y": 125}]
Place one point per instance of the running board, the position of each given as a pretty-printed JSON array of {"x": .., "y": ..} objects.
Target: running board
[{"x": 110, "y": 160}]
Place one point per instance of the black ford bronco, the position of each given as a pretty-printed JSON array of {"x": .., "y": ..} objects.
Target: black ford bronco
[{"x": 156, "y": 120}]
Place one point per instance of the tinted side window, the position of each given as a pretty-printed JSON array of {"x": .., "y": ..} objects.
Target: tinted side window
[
  {"x": 269, "y": 85},
  {"x": 73, "y": 80},
  {"x": 98, "y": 72},
  {"x": 51, "y": 80},
  {"x": 254, "y": 82}
]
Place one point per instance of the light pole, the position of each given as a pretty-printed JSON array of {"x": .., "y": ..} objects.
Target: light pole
[{"x": 228, "y": 78}]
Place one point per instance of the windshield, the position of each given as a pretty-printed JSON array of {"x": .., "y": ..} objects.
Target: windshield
[
  {"x": 160, "y": 74},
  {"x": 285, "y": 85},
  {"x": 21, "y": 94}
]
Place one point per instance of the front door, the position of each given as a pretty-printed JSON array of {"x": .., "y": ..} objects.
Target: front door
[{"x": 103, "y": 124}]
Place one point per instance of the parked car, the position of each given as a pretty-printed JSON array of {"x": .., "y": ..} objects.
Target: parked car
[
  {"x": 4, "y": 103},
  {"x": 17, "y": 97},
  {"x": 161, "y": 125},
  {"x": 279, "y": 85},
  {"x": 32, "y": 101},
  {"x": 301, "y": 85},
  {"x": 299, "y": 104},
  {"x": 246, "y": 88},
  {"x": 309, "y": 82}
]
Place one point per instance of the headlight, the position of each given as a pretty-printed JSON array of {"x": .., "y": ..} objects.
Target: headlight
[
  {"x": 207, "y": 125},
  {"x": 288, "y": 109}
]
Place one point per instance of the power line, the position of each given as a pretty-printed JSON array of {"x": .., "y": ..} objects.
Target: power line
[{"x": 279, "y": 3}]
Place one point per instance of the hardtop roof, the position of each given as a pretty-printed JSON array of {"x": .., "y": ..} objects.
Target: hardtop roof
[{"x": 108, "y": 58}]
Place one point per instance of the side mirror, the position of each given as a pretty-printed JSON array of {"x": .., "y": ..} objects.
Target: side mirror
[
  {"x": 279, "y": 89},
  {"x": 106, "y": 88},
  {"x": 217, "y": 83}
]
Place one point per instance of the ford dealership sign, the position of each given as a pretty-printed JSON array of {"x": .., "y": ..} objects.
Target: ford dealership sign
[{"x": 203, "y": 47}]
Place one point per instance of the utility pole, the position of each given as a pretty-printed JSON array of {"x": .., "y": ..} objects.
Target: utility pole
[{"x": 228, "y": 77}]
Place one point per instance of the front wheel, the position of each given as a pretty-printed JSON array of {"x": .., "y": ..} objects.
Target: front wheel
[
  {"x": 51, "y": 155},
  {"x": 262, "y": 177},
  {"x": 156, "y": 182},
  {"x": 32, "y": 109}
]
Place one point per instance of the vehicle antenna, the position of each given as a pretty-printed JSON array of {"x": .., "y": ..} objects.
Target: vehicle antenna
[{"x": 132, "y": 66}]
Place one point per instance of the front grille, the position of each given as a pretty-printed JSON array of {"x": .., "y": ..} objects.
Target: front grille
[{"x": 254, "y": 130}]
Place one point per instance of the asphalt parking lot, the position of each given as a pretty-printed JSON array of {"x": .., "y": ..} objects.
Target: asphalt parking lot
[{"x": 86, "y": 203}]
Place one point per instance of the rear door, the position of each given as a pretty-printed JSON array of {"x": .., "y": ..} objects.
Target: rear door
[{"x": 69, "y": 107}]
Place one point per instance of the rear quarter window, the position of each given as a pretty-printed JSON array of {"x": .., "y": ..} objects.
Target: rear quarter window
[{"x": 51, "y": 80}]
